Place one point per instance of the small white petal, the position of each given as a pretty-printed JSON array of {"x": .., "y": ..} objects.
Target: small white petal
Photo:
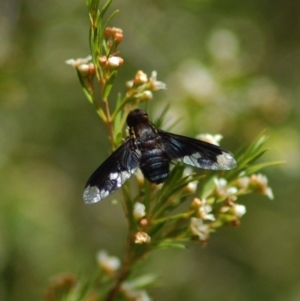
[
  {"x": 156, "y": 85},
  {"x": 269, "y": 193},
  {"x": 70, "y": 62},
  {"x": 79, "y": 61}
]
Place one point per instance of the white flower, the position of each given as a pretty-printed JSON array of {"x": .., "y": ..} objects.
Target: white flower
[
  {"x": 108, "y": 263},
  {"x": 139, "y": 210},
  {"x": 243, "y": 182},
  {"x": 203, "y": 209},
  {"x": 204, "y": 213},
  {"x": 234, "y": 209},
  {"x": 114, "y": 61},
  {"x": 156, "y": 85},
  {"x": 222, "y": 189},
  {"x": 140, "y": 78},
  {"x": 213, "y": 139},
  {"x": 79, "y": 61},
  {"x": 260, "y": 184},
  {"x": 199, "y": 229}
]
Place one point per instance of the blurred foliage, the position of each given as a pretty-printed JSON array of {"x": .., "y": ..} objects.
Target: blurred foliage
[{"x": 238, "y": 61}]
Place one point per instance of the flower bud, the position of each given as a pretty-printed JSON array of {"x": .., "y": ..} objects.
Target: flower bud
[
  {"x": 83, "y": 69},
  {"x": 108, "y": 32},
  {"x": 196, "y": 203},
  {"x": 114, "y": 62},
  {"x": 191, "y": 187},
  {"x": 86, "y": 69},
  {"x": 146, "y": 96},
  {"x": 139, "y": 210},
  {"x": 140, "y": 78},
  {"x": 118, "y": 37},
  {"x": 143, "y": 222},
  {"x": 102, "y": 60},
  {"x": 142, "y": 238},
  {"x": 129, "y": 85}
]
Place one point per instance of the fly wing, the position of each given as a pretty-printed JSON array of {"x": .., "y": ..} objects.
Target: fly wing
[
  {"x": 196, "y": 152},
  {"x": 112, "y": 173}
]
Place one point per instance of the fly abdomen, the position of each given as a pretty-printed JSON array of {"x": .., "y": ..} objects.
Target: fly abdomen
[{"x": 155, "y": 165}]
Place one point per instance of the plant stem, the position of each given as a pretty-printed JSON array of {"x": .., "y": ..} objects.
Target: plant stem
[
  {"x": 109, "y": 124},
  {"x": 133, "y": 254},
  {"x": 122, "y": 276}
]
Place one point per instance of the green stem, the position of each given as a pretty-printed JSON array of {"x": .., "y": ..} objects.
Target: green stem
[
  {"x": 109, "y": 124},
  {"x": 173, "y": 217},
  {"x": 120, "y": 107}
]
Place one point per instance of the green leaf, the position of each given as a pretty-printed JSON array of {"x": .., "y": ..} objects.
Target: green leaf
[
  {"x": 98, "y": 36},
  {"x": 253, "y": 147},
  {"x": 250, "y": 158},
  {"x": 174, "y": 245},
  {"x": 160, "y": 120},
  {"x": 84, "y": 87},
  {"x": 109, "y": 84},
  {"x": 208, "y": 188},
  {"x": 102, "y": 115},
  {"x": 82, "y": 291},
  {"x": 121, "y": 106},
  {"x": 175, "y": 174},
  {"x": 246, "y": 156},
  {"x": 142, "y": 281},
  {"x": 93, "y": 5},
  {"x": 118, "y": 128},
  {"x": 257, "y": 167},
  {"x": 104, "y": 8},
  {"x": 111, "y": 17}
]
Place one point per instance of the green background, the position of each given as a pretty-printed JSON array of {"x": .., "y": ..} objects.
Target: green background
[{"x": 231, "y": 67}]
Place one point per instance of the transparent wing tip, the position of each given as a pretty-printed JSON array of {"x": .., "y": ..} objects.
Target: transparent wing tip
[
  {"x": 226, "y": 161},
  {"x": 92, "y": 194}
]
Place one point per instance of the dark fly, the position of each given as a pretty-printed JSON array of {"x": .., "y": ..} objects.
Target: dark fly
[{"x": 151, "y": 150}]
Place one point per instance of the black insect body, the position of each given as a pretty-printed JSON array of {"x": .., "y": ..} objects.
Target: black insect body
[{"x": 151, "y": 150}]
